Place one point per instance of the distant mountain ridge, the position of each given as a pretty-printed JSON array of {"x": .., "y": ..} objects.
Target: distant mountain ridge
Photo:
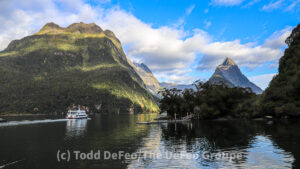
[
  {"x": 175, "y": 85},
  {"x": 229, "y": 74}
]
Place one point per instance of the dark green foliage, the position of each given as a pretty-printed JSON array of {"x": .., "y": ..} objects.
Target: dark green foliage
[
  {"x": 294, "y": 38},
  {"x": 48, "y": 73},
  {"x": 171, "y": 101},
  {"x": 210, "y": 101},
  {"x": 282, "y": 97}
]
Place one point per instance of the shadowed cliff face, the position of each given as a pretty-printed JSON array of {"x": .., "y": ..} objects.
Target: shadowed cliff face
[{"x": 230, "y": 74}]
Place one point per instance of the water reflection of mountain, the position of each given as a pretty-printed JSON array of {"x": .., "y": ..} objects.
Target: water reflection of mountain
[
  {"x": 286, "y": 135},
  {"x": 75, "y": 127},
  {"x": 259, "y": 142},
  {"x": 146, "y": 117},
  {"x": 110, "y": 133},
  {"x": 150, "y": 145}
]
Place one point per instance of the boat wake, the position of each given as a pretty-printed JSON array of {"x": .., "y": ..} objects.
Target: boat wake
[
  {"x": 26, "y": 122},
  {"x": 2, "y": 166}
]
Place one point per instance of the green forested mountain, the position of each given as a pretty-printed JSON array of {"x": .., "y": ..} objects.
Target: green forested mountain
[
  {"x": 58, "y": 67},
  {"x": 282, "y": 97}
]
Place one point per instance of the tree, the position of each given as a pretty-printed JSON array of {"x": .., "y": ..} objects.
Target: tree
[{"x": 208, "y": 101}]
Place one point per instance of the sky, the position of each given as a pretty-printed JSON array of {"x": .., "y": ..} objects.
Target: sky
[{"x": 179, "y": 40}]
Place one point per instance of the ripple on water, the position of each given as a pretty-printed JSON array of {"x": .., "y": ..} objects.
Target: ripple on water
[{"x": 260, "y": 153}]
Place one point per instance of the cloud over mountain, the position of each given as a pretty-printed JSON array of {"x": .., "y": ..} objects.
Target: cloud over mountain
[
  {"x": 167, "y": 50},
  {"x": 247, "y": 55}
]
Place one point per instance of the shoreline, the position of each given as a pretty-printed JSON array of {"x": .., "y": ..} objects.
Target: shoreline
[{"x": 254, "y": 119}]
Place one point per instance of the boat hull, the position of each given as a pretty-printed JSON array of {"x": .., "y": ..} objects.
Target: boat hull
[
  {"x": 76, "y": 114},
  {"x": 77, "y": 117}
]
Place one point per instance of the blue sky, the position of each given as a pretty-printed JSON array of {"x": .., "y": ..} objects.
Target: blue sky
[{"x": 180, "y": 40}]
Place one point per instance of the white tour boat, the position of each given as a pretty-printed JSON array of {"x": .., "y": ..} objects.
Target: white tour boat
[{"x": 77, "y": 114}]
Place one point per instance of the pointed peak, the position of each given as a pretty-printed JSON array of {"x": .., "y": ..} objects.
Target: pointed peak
[{"x": 228, "y": 61}]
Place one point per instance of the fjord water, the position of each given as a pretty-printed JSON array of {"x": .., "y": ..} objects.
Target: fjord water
[{"x": 264, "y": 144}]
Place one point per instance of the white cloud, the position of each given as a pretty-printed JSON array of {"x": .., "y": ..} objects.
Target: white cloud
[
  {"x": 270, "y": 5},
  {"x": 167, "y": 50},
  {"x": 252, "y": 2},
  {"x": 161, "y": 48},
  {"x": 181, "y": 21},
  {"x": 226, "y": 2},
  {"x": 287, "y": 5},
  {"x": 247, "y": 55},
  {"x": 273, "y": 5},
  {"x": 293, "y": 5},
  {"x": 70, "y": 5},
  {"x": 277, "y": 39},
  {"x": 20, "y": 18},
  {"x": 262, "y": 80},
  {"x": 177, "y": 76},
  {"x": 207, "y": 24},
  {"x": 189, "y": 10}
]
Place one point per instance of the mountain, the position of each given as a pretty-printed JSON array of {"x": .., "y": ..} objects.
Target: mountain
[
  {"x": 178, "y": 86},
  {"x": 229, "y": 74},
  {"x": 58, "y": 67},
  {"x": 281, "y": 98},
  {"x": 152, "y": 83},
  {"x": 148, "y": 78}
]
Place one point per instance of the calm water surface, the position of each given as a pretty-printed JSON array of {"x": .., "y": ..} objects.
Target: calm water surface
[{"x": 35, "y": 144}]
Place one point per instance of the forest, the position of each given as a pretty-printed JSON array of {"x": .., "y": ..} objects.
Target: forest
[{"x": 210, "y": 101}]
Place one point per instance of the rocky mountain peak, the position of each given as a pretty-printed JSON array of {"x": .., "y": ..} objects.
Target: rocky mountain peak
[
  {"x": 143, "y": 66},
  {"x": 229, "y": 74},
  {"x": 149, "y": 79},
  {"x": 81, "y": 27},
  {"x": 50, "y": 26},
  {"x": 84, "y": 28},
  {"x": 228, "y": 62}
]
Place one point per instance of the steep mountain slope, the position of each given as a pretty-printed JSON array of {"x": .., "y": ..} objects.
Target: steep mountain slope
[
  {"x": 147, "y": 77},
  {"x": 229, "y": 74},
  {"x": 281, "y": 98},
  {"x": 80, "y": 64}
]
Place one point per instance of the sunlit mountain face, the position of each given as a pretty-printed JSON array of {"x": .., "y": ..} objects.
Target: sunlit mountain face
[{"x": 230, "y": 74}]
